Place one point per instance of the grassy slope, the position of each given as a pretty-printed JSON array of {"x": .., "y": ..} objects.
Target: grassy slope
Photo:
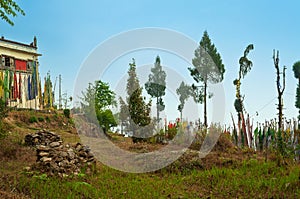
[{"x": 230, "y": 174}]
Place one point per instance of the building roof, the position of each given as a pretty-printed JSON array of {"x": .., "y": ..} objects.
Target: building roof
[{"x": 14, "y": 45}]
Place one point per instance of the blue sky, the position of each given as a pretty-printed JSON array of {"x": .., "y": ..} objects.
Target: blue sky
[{"x": 68, "y": 31}]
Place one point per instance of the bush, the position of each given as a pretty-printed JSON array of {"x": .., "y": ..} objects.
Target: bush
[
  {"x": 41, "y": 119},
  {"x": 48, "y": 119},
  {"x": 67, "y": 113},
  {"x": 33, "y": 119}
]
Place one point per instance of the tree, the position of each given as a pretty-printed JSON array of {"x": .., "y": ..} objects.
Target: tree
[
  {"x": 123, "y": 115},
  {"x": 9, "y": 8},
  {"x": 88, "y": 103},
  {"x": 106, "y": 119},
  {"x": 208, "y": 68},
  {"x": 156, "y": 86},
  {"x": 245, "y": 67},
  {"x": 132, "y": 82},
  {"x": 280, "y": 88},
  {"x": 184, "y": 91},
  {"x": 296, "y": 69},
  {"x": 138, "y": 109},
  {"x": 95, "y": 103}
]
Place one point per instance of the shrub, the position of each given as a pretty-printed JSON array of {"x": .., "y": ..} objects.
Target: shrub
[
  {"x": 33, "y": 119},
  {"x": 48, "y": 119},
  {"x": 67, "y": 113},
  {"x": 41, "y": 119}
]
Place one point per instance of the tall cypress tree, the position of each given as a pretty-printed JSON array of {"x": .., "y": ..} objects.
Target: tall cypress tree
[{"x": 208, "y": 68}]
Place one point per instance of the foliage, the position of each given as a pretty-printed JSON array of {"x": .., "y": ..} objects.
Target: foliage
[
  {"x": 208, "y": 68},
  {"x": 95, "y": 103},
  {"x": 67, "y": 113},
  {"x": 156, "y": 85},
  {"x": 132, "y": 81},
  {"x": 245, "y": 67},
  {"x": 184, "y": 91},
  {"x": 123, "y": 114},
  {"x": 41, "y": 119},
  {"x": 33, "y": 119},
  {"x": 97, "y": 96},
  {"x": 104, "y": 97},
  {"x": 296, "y": 69},
  {"x": 3, "y": 113},
  {"x": 248, "y": 179},
  {"x": 172, "y": 129},
  {"x": 9, "y": 8},
  {"x": 106, "y": 119},
  {"x": 138, "y": 109},
  {"x": 245, "y": 63}
]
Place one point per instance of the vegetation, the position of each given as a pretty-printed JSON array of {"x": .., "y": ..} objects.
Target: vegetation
[
  {"x": 225, "y": 173},
  {"x": 208, "y": 68},
  {"x": 184, "y": 91},
  {"x": 280, "y": 88},
  {"x": 9, "y": 8},
  {"x": 245, "y": 67},
  {"x": 138, "y": 109},
  {"x": 95, "y": 103},
  {"x": 296, "y": 69},
  {"x": 156, "y": 86}
]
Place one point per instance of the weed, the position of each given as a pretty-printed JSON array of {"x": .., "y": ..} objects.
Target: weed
[
  {"x": 67, "y": 113},
  {"x": 33, "y": 119},
  {"x": 41, "y": 119}
]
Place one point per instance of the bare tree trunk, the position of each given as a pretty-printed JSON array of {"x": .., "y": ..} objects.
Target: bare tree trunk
[
  {"x": 279, "y": 89},
  {"x": 157, "y": 110},
  {"x": 205, "y": 113}
]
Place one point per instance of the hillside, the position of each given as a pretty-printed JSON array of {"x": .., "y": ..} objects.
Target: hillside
[{"x": 226, "y": 172}]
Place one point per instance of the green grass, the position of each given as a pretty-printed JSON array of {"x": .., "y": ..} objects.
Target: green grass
[{"x": 252, "y": 179}]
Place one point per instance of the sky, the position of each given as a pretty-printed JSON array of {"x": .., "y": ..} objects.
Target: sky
[{"x": 69, "y": 31}]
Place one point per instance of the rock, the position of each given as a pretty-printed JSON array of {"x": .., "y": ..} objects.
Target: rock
[
  {"x": 64, "y": 154},
  {"x": 42, "y": 154},
  {"x": 54, "y": 144},
  {"x": 45, "y": 159},
  {"x": 42, "y": 148},
  {"x": 55, "y": 158},
  {"x": 27, "y": 168}
]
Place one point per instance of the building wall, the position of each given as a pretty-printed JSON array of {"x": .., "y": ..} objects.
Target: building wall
[{"x": 30, "y": 55}]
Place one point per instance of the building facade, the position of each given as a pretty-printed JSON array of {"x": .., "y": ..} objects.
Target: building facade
[{"x": 20, "y": 84}]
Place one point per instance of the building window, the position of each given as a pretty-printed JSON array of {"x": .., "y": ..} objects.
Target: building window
[
  {"x": 29, "y": 65},
  {"x": 7, "y": 61}
]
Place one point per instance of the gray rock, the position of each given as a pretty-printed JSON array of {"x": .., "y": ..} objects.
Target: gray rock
[{"x": 54, "y": 144}]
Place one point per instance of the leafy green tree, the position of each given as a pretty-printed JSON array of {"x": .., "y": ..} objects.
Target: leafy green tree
[
  {"x": 138, "y": 109},
  {"x": 156, "y": 86},
  {"x": 184, "y": 91},
  {"x": 104, "y": 97},
  {"x": 296, "y": 69},
  {"x": 95, "y": 103},
  {"x": 9, "y": 8},
  {"x": 106, "y": 119},
  {"x": 208, "y": 68}
]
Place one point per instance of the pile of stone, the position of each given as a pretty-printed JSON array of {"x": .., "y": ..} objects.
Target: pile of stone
[{"x": 56, "y": 158}]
